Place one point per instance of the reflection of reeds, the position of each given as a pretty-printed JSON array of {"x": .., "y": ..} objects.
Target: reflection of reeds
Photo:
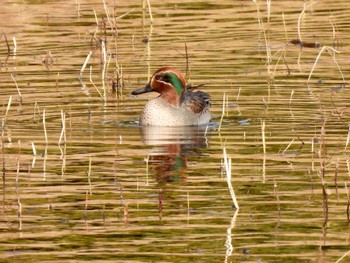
[
  {"x": 265, "y": 31},
  {"x": 276, "y": 193},
  {"x": 322, "y": 173},
  {"x": 160, "y": 203},
  {"x": 126, "y": 213},
  {"x": 227, "y": 162},
  {"x": 19, "y": 204}
]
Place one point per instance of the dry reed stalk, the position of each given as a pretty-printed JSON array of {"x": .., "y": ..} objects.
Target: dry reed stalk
[
  {"x": 77, "y": 7},
  {"x": 328, "y": 49},
  {"x": 120, "y": 79},
  {"x": 347, "y": 138},
  {"x": 106, "y": 12},
  {"x": 33, "y": 149},
  {"x": 288, "y": 146},
  {"x": 36, "y": 108},
  {"x": 324, "y": 193},
  {"x": 7, "y": 109},
  {"x": 96, "y": 20},
  {"x": 104, "y": 67},
  {"x": 44, "y": 125},
  {"x": 238, "y": 94},
  {"x": 301, "y": 17},
  {"x": 63, "y": 132},
  {"x": 150, "y": 11},
  {"x": 291, "y": 97},
  {"x": 263, "y": 135},
  {"x": 206, "y": 130},
  {"x": 227, "y": 162},
  {"x": 187, "y": 75},
  {"x": 19, "y": 92},
  {"x": 223, "y": 111},
  {"x": 84, "y": 65},
  {"x": 268, "y": 10},
  {"x": 14, "y": 47},
  {"x": 63, "y": 158},
  {"x": 7, "y": 43},
  {"x": 343, "y": 256},
  {"x": 301, "y": 141},
  {"x": 336, "y": 40},
  {"x": 93, "y": 84}
]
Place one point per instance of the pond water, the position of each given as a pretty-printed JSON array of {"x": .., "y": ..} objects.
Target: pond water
[{"x": 82, "y": 181}]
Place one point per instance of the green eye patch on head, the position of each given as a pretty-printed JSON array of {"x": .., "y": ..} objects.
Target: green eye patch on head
[{"x": 173, "y": 79}]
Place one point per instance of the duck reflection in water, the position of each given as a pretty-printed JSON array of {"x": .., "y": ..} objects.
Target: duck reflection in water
[
  {"x": 173, "y": 122},
  {"x": 172, "y": 146}
]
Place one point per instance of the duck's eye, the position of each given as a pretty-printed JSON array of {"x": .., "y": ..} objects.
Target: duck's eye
[{"x": 162, "y": 77}]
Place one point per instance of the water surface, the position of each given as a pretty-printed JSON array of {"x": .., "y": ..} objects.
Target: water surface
[{"x": 82, "y": 181}]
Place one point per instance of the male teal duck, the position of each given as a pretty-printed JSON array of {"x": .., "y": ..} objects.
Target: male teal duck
[{"x": 177, "y": 104}]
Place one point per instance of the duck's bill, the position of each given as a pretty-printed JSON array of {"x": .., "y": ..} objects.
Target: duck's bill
[{"x": 145, "y": 89}]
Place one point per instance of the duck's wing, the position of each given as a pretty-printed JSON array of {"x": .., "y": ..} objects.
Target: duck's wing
[{"x": 195, "y": 101}]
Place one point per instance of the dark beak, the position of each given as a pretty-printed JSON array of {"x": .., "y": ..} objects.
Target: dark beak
[{"x": 145, "y": 89}]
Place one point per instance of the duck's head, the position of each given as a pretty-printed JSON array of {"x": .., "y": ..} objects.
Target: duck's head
[{"x": 168, "y": 82}]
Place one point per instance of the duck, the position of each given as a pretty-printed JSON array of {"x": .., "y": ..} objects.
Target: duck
[{"x": 178, "y": 104}]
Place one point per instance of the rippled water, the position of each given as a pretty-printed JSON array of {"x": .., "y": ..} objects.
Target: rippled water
[{"x": 82, "y": 181}]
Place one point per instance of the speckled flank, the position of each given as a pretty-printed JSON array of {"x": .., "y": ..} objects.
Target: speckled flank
[{"x": 160, "y": 112}]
